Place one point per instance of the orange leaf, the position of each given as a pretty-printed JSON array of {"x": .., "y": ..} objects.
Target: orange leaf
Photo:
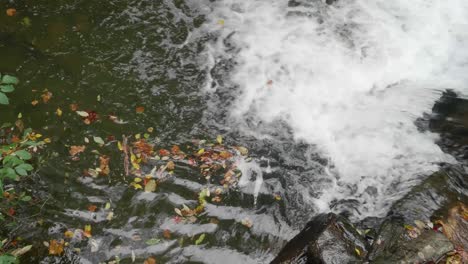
[
  {"x": 140, "y": 109},
  {"x": 73, "y": 107},
  {"x": 167, "y": 234},
  {"x": 87, "y": 230},
  {"x": 164, "y": 152},
  {"x": 56, "y": 247},
  {"x": 104, "y": 164},
  {"x": 170, "y": 165},
  {"x": 34, "y": 103},
  {"x": 11, "y": 12},
  {"x": 76, "y": 149},
  {"x": 92, "y": 208},
  {"x": 150, "y": 260},
  {"x": 46, "y": 97}
]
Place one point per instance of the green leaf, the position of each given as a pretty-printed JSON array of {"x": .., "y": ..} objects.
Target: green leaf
[
  {"x": 7, "y": 88},
  {"x": 99, "y": 140},
  {"x": 8, "y": 259},
  {"x": 153, "y": 241},
  {"x": 23, "y": 154},
  {"x": 200, "y": 239},
  {"x": 21, "y": 171},
  {"x": 26, "y": 167},
  {"x": 8, "y": 173},
  {"x": 4, "y": 125},
  {"x": 4, "y": 99},
  {"x": 26, "y": 198},
  {"x": 8, "y": 79},
  {"x": 11, "y": 161}
]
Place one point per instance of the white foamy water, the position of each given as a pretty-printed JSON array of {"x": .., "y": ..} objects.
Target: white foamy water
[{"x": 349, "y": 79}]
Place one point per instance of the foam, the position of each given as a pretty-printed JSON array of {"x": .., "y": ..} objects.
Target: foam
[{"x": 350, "y": 79}]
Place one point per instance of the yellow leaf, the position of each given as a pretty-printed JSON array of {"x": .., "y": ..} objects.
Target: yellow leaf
[
  {"x": 59, "y": 111},
  {"x": 47, "y": 140},
  {"x": 137, "y": 186},
  {"x": 219, "y": 139},
  {"x": 137, "y": 180},
  {"x": 68, "y": 234},
  {"x": 201, "y": 151},
  {"x": 150, "y": 186},
  {"x": 358, "y": 252},
  {"x": 138, "y": 136},
  {"x": 221, "y": 22},
  {"x": 37, "y": 135},
  {"x": 119, "y": 145}
]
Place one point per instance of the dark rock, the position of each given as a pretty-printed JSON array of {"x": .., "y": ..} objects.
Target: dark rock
[
  {"x": 433, "y": 196},
  {"x": 328, "y": 238},
  {"x": 394, "y": 245}
]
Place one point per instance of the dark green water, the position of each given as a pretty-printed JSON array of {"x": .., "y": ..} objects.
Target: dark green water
[{"x": 130, "y": 54}]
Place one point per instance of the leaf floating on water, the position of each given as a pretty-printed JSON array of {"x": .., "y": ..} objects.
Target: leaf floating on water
[
  {"x": 46, "y": 97},
  {"x": 56, "y": 247},
  {"x": 99, "y": 140},
  {"x": 69, "y": 234},
  {"x": 150, "y": 186},
  {"x": 109, "y": 216},
  {"x": 21, "y": 251},
  {"x": 219, "y": 139},
  {"x": 247, "y": 223},
  {"x": 140, "y": 109},
  {"x": 150, "y": 260},
  {"x": 133, "y": 256},
  {"x": 11, "y": 12},
  {"x": 82, "y": 113},
  {"x": 200, "y": 239},
  {"x": 358, "y": 252},
  {"x": 170, "y": 165},
  {"x": 92, "y": 208},
  {"x": 153, "y": 241},
  {"x": 74, "y": 150},
  {"x": 87, "y": 231},
  {"x": 59, "y": 111},
  {"x": 167, "y": 234}
]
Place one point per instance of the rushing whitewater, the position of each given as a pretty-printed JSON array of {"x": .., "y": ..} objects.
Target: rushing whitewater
[{"x": 348, "y": 79}]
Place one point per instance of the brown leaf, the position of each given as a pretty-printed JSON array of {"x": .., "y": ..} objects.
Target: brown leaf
[
  {"x": 56, "y": 247},
  {"x": 104, "y": 164},
  {"x": 140, "y": 109},
  {"x": 46, "y": 96},
  {"x": 164, "y": 152},
  {"x": 73, "y": 107},
  {"x": 74, "y": 150},
  {"x": 11, "y": 12},
  {"x": 92, "y": 208},
  {"x": 170, "y": 165},
  {"x": 167, "y": 234},
  {"x": 150, "y": 260}
]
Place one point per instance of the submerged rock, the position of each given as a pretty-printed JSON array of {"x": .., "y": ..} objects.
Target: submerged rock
[{"x": 328, "y": 238}]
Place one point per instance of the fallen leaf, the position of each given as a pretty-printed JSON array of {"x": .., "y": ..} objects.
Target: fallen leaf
[
  {"x": 153, "y": 241},
  {"x": 34, "y": 102},
  {"x": 56, "y": 247},
  {"x": 59, "y": 111},
  {"x": 358, "y": 252},
  {"x": 104, "y": 165},
  {"x": 247, "y": 222},
  {"x": 99, "y": 140},
  {"x": 150, "y": 186},
  {"x": 150, "y": 260},
  {"x": 109, "y": 216},
  {"x": 164, "y": 152},
  {"x": 92, "y": 208},
  {"x": 200, "y": 239},
  {"x": 11, "y": 12},
  {"x": 82, "y": 113},
  {"x": 74, "y": 150},
  {"x": 69, "y": 234},
  {"x": 21, "y": 251},
  {"x": 140, "y": 109},
  {"x": 73, "y": 107},
  {"x": 87, "y": 231},
  {"x": 219, "y": 139},
  {"x": 170, "y": 165},
  {"x": 46, "y": 97},
  {"x": 167, "y": 234}
]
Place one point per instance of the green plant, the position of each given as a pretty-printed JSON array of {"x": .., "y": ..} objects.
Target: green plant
[
  {"x": 15, "y": 154},
  {"x": 7, "y": 85}
]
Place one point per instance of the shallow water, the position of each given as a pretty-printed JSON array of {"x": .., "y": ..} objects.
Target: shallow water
[{"x": 324, "y": 97}]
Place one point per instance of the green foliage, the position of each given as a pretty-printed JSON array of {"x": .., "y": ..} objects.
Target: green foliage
[
  {"x": 7, "y": 83},
  {"x": 8, "y": 259}
]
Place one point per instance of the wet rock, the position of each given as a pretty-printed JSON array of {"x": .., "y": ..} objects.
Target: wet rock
[
  {"x": 455, "y": 226},
  {"x": 395, "y": 244},
  {"x": 433, "y": 197},
  {"x": 328, "y": 238}
]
